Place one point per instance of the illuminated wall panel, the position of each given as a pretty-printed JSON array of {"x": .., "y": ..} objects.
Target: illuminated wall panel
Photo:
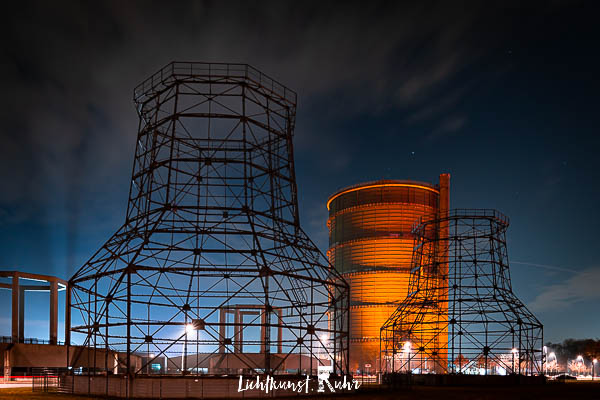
[{"x": 372, "y": 254}]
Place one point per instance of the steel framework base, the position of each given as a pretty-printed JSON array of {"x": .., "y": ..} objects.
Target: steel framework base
[
  {"x": 461, "y": 315},
  {"x": 211, "y": 272}
]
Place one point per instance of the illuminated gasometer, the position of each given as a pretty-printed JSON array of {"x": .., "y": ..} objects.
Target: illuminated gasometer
[{"x": 371, "y": 245}]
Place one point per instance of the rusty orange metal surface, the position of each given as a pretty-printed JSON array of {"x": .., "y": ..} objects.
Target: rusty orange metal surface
[{"x": 371, "y": 244}]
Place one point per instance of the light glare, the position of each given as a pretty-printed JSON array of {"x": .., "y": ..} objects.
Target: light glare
[{"x": 189, "y": 328}]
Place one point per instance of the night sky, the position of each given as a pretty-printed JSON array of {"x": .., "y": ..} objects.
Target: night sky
[{"x": 504, "y": 98}]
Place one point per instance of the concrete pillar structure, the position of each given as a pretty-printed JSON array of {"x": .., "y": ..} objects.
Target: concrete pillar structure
[
  {"x": 53, "y": 312},
  {"x": 68, "y": 316},
  {"x": 238, "y": 326},
  {"x": 21, "y": 314},
  {"x": 240, "y": 339},
  {"x": 237, "y": 329},
  {"x": 279, "y": 332},
  {"x": 263, "y": 321},
  {"x": 15, "y": 308},
  {"x": 222, "y": 328},
  {"x": 19, "y": 292}
]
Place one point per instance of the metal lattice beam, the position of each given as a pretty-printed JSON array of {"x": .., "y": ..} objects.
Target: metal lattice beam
[
  {"x": 211, "y": 271},
  {"x": 461, "y": 313}
]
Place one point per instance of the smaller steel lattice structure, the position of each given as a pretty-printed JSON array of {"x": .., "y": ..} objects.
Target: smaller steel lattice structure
[{"x": 461, "y": 315}]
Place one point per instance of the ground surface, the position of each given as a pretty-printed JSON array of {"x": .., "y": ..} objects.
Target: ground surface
[
  {"x": 26, "y": 393},
  {"x": 550, "y": 391}
]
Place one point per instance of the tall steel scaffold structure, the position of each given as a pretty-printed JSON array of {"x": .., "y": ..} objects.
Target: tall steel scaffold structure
[
  {"x": 211, "y": 271},
  {"x": 461, "y": 314}
]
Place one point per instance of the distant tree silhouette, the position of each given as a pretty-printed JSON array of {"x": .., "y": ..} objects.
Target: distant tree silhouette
[
  {"x": 460, "y": 362},
  {"x": 569, "y": 349},
  {"x": 577, "y": 367}
]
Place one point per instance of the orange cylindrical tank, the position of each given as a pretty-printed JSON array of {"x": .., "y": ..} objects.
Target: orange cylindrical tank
[{"x": 371, "y": 243}]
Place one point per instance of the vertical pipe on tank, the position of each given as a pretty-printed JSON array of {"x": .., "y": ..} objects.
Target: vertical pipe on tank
[{"x": 443, "y": 232}]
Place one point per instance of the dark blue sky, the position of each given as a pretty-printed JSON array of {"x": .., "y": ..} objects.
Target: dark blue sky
[{"x": 504, "y": 97}]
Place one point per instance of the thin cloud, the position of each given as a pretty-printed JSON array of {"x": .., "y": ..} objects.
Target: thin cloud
[
  {"x": 437, "y": 107},
  {"x": 583, "y": 287},
  {"x": 69, "y": 126},
  {"x": 448, "y": 126},
  {"x": 548, "y": 267}
]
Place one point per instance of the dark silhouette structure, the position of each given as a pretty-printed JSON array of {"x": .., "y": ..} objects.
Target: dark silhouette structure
[
  {"x": 211, "y": 272},
  {"x": 461, "y": 315}
]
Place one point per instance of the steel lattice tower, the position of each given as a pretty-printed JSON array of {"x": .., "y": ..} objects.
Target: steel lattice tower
[
  {"x": 461, "y": 313},
  {"x": 211, "y": 271}
]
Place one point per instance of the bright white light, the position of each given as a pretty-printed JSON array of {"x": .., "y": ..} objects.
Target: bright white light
[
  {"x": 553, "y": 354},
  {"x": 324, "y": 338},
  {"x": 595, "y": 361},
  {"x": 514, "y": 351},
  {"x": 545, "y": 349},
  {"x": 406, "y": 346},
  {"x": 34, "y": 279},
  {"x": 189, "y": 328},
  {"x": 579, "y": 358}
]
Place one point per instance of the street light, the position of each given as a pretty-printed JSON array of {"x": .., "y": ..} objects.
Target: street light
[
  {"x": 553, "y": 354},
  {"x": 195, "y": 326},
  {"x": 513, "y": 351},
  {"x": 189, "y": 328},
  {"x": 545, "y": 360},
  {"x": 594, "y": 367},
  {"x": 406, "y": 348},
  {"x": 324, "y": 338}
]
